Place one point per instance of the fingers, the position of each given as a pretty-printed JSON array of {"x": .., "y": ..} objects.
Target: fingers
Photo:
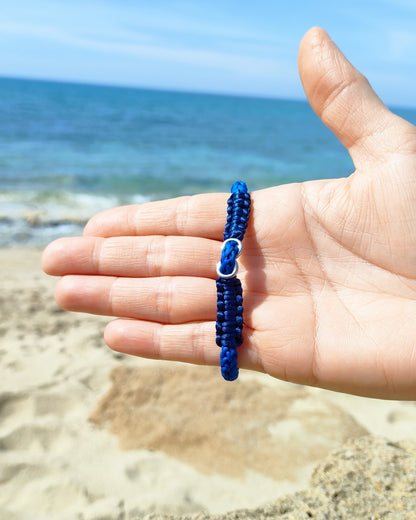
[
  {"x": 165, "y": 299},
  {"x": 189, "y": 342},
  {"x": 344, "y": 100},
  {"x": 147, "y": 256},
  {"x": 197, "y": 216}
]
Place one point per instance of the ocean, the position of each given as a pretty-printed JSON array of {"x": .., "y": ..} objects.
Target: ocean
[{"x": 70, "y": 150}]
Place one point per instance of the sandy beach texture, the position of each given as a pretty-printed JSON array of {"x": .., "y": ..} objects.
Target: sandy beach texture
[{"x": 89, "y": 434}]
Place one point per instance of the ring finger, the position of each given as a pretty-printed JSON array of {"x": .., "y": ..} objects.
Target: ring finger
[{"x": 167, "y": 299}]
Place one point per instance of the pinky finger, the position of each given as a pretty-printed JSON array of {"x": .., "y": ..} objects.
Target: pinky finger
[
  {"x": 186, "y": 342},
  {"x": 189, "y": 342}
]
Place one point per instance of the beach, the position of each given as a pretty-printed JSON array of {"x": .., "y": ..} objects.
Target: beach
[{"x": 92, "y": 434}]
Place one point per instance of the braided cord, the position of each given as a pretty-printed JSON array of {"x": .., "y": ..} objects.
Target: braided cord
[{"x": 229, "y": 325}]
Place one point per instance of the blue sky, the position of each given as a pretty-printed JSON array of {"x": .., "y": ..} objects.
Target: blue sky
[{"x": 236, "y": 47}]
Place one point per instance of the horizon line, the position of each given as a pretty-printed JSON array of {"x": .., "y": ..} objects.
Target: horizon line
[
  {"x": 154, "y": 88},
  {"x": 173, "y": 90}
]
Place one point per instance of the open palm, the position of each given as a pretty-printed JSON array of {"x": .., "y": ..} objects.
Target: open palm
[{"x": 328, "y": 268}]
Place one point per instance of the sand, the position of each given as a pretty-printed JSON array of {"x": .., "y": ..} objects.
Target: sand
[
  {"x": 89, "y": 434},
  {"x": 368, "y": 478}
]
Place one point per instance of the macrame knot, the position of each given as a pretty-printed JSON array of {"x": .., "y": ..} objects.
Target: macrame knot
[{"x": 229, "y": 325}]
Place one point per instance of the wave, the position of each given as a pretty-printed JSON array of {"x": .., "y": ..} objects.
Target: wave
[{"x": 36, "y": 218}]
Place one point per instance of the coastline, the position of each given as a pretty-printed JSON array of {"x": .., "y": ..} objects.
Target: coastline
[{"x": 68, "y": 446}]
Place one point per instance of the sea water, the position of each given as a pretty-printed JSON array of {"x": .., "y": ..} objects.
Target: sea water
[{"x": 70, "y": 150}]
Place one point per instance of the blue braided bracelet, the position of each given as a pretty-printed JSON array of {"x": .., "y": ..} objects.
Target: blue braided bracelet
[{"x": 229, "y": 292}]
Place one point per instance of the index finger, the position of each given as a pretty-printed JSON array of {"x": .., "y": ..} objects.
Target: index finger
[{"x": 197, "y": 215}]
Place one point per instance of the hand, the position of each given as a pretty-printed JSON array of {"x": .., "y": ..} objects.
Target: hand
[{"x": 328, "y": 267}]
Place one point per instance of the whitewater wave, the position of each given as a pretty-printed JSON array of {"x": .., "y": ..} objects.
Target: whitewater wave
[{"x": 36, "y": 218}]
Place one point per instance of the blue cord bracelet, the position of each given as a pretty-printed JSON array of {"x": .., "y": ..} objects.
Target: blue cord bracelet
[{"x": 229, "y": 324}]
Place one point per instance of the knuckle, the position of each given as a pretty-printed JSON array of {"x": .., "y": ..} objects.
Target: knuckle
[
  {"x": 336, "y": 92},
  {"x": 164, "y": 299},
  {"x": 183, "y": 214},
  {"x": 154, "y": 256}
]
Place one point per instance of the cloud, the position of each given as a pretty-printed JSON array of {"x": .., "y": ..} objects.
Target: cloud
[
  {"x": 408, "y": 5},
  {"x": 138, "y": 46},
  {"x": 236, "y": 44},
  {"x": 402, "y": 45}
]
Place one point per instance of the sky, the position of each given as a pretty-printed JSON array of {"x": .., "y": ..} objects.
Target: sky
[{"x": 222, "y": 46}]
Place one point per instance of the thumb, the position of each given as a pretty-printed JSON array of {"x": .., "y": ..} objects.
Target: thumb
[{"x": 344, "y": 100}]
